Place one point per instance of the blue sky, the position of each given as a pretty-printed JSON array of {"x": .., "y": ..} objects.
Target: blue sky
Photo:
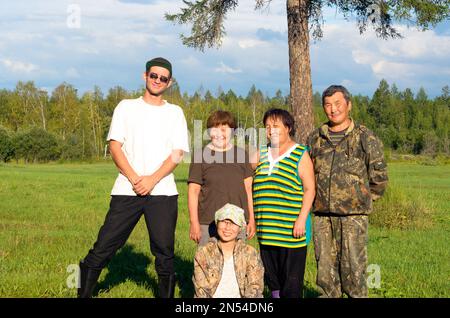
[{"x": 41, "y": 41}]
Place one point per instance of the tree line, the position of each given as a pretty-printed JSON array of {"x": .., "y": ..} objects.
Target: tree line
[{"x": 36, "y": 126}]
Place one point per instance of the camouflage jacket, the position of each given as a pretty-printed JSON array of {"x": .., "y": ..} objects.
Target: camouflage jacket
[
  {"x": 208, "y": 265},
  {"x": 351, "y": 174}
]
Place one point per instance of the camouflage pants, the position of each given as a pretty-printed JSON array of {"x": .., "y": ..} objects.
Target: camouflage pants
[{"x": 340, "y": 244}]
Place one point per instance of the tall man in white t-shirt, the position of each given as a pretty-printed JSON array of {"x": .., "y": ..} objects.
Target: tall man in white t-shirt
[{"x": 147, "y": 139}]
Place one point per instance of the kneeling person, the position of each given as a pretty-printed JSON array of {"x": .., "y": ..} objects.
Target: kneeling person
[{"x": 227, "y": 267}]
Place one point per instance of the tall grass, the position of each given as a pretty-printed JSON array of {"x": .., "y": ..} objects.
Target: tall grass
[{"x": 396, "y": 210}]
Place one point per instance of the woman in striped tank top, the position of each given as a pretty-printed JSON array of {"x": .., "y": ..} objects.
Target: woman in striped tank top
[{"x": 283, "y": 193}]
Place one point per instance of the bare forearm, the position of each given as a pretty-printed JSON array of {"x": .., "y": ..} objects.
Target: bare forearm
[
  {"x": 254, "y": 159},
  {"x": 146, "y": 184},
  {"x": 308, "y": 199},
  {"x": 121, "y": 161},
  {"x": 168, "y": 165},
  {"x": 248, "y": 189},
  {"x": 193, "y": 193},
  {"x": 251, "y": 213},
  {"x": 306, "y": 173}
]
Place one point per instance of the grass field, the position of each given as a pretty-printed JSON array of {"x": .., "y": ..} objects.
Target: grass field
[{"x": 50, "y": 215}]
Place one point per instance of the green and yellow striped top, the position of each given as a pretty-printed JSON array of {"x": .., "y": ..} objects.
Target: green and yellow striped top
[{"x": 277, "y": 198}]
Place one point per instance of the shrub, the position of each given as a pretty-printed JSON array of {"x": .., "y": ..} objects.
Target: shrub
[
  {"x": 396, "y": 210},
  {"x": 72, "y": 149},
  {"x": 6, "y": 145},
  {"x": 36, "y": 145}
]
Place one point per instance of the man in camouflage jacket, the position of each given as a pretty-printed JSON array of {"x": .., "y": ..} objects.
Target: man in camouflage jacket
[{"x": 350, "y": 173}]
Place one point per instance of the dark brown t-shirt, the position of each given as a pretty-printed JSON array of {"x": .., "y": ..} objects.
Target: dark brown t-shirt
[{"x": 221, "y": 175}]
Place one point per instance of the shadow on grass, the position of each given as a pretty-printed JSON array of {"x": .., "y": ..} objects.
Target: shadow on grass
[
  {"x": 130, "y": 265},
  {"x": 310, "y": 292},
  {"x": 184, "y": 269}
]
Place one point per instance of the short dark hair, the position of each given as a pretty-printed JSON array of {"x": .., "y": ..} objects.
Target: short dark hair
[
  {"x": 333, "y": 89},
  {"x": 220, "y": 117},
  {"x": 284, "y": 115}
]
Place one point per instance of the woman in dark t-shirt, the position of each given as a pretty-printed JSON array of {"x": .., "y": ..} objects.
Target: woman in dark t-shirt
[{"x": 220, "y": 173}]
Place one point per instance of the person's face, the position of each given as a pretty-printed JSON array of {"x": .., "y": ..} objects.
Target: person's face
[
  {"x": 220, "y": 136},
  {"x": 336, "y": 108},
  {"x": 227, "y": 230},
  {"x": 276, "y": 131},
  {"x": 157, "y": 80}
]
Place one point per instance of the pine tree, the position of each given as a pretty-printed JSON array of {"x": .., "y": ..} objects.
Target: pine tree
[{"x": 208, "y": 16}]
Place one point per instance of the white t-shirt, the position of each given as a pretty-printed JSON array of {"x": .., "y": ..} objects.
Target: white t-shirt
[
  {"x": 228, "y": 286},
  {"x": 148, "y": 135}
]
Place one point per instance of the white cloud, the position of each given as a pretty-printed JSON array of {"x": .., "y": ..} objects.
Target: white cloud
[
  {"x": 347, "y": 83},
  {"x": 72, "y": 72},
  {"x": 129, "y": 40},
  {"x": 191, "y": 61},
  {"x": 397, "y": 71},
  {"x": 17, "y": 36},
  {"x": 89, "y": 50},
  {"x": 226, "y": 69},
  {"x": 245, "y": 20},
  {"x": 417, "y": 59},
  {"x": 250, "y": 43},
  {"x": 386, "y": 69},
  {"x": 416, "y": 44},
  {"x": 18, "y": 66},
  {"x": 364, "y": 56}
]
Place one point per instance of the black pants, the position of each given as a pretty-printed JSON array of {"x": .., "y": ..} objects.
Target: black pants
[
  {"x": 124, "y": 213},
  {"x": 284, "y": 269}
]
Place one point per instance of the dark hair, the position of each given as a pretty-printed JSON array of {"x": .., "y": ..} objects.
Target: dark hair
[
  {"x": 333, "y": 89},
  {"x": 220, "y": 117},
  {"x": 285, "y": 117}
]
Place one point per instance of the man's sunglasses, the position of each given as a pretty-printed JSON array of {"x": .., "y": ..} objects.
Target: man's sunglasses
[{"x": 155, "y": 76}]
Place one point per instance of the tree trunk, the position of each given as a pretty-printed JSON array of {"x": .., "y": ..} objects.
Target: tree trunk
[
  {"x": 93, "y": 127},
  {"x": 42, "y": 111},
  {"x": 64, "y": 113},
  {"x": 301, "y": 99}
]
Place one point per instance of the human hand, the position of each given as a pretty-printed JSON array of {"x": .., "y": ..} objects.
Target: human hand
[
  {"x": 195, "y": 232},
  {"x": 134, "y": 179},
  {"x": 299, "y": 227},
  {"x": 251, "y": 229},
  {"x": 144, "y": 185}
]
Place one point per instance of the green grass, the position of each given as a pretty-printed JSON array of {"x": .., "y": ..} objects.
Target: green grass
[
  {"x": 416, "y": 262},
  {"x": 50, "y": 216}
]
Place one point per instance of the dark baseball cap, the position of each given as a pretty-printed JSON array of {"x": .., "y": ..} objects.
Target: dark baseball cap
[{"x": 159, "y": 61}]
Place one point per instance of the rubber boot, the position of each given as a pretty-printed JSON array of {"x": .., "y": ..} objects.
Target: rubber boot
[
  {"x": 87, "y": 281},
  {"x": 166, "y": 286}
]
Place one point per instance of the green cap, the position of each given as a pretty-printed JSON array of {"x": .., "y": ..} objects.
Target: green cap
[{"x": 161, "y": 62}]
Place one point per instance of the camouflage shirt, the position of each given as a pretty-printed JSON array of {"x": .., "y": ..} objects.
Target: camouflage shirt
[
  {"x": 349, "y": 175},
  {"x": 208, "y": 265}
]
